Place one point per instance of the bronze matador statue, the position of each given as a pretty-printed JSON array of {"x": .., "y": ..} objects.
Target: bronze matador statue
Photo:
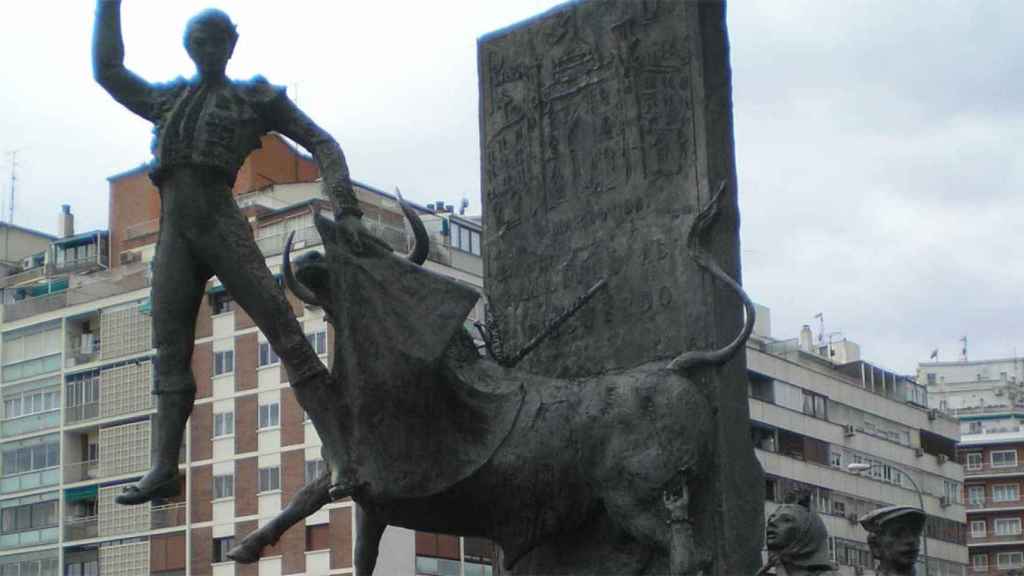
[{"x": 204, "y": 128}]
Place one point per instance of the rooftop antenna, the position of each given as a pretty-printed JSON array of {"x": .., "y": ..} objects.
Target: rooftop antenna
[
  {"x": 821, "y": 326},
  {"x": 463, "y": 205},
  {"x": 14, "y": 183},
  {"x": 963, "y": 352}
]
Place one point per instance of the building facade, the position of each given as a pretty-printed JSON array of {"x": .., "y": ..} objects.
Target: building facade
[
  {"x": 76, "y": 370},
  {"x": 985, "y": 396},
  {"x": 816, "y": 408}
]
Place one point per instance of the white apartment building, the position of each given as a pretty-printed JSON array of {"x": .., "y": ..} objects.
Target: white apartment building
[{"x": 816, "y": 408}]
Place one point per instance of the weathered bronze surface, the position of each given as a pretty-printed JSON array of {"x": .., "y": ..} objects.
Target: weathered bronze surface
[
  {"x": 204, "y": 129},
  {"x": 894, "y": 535},
  {"x": 605, "y": 126},
  {"x": 797, "y": 543}
]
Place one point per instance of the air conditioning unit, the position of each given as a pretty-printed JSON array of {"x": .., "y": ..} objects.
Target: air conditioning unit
[
  {"x": 941, "y": 458},
  {"x": 130, "y": 257},
  {"x": 918, "y": 452},
  {"x": 851, "y": 518},
  {"x": 999, "y": 391},
  {"x": 848, "y": 430},
  {"x": 933, "y": 414},
  {"x": 944, "y": 501}
]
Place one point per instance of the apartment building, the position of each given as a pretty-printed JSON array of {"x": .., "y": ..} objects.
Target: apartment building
[
  {"x": 816, "y": 408},
  {"x": 985, "y": 396},
  {"x": 76, "y": 369}
]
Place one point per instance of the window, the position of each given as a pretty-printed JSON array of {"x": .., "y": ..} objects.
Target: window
[
  {"x": 85, "y": 568},
  {"x": 475, "y": 569},
  {"x": 1006, "y": 526},
  {"x": 267, "y": 355},
  {"x": 29, "y": 403},
  {"x": 1007, "y": 560},
  {"x": 1005, "y": 493},
  {"x": 836, "y": 459},
  {"x": 815, "y": 405},
  {"x": 318, "y": 340},
  {"x": 221, "y": 302},
  {"x": 976, "y": 495},
  {"x": 1004, "y": 458},
  {"x": 465, "y": 238},
  {"x": 224, "y": 486},
  {"x": 314, "y": 469},
  {"x": 23, "y": 459},
  {"x": 270, "y": 479},
  {"x": 270, "y": 415},
  {"x": 223, "y": 362},
  {"x": 974, "y": 460},
  {"x": 979, "y": 562},
  {"x": 28, "y": 517},
  {"x": 82, "y": 389},
  {"x": 221, "y": 546},
  {"x": 978, "y": 529},
  {"x": 930, "y": 378},
  {"x": 223, "y": 424},
  {"x": 974, "y": 428}
]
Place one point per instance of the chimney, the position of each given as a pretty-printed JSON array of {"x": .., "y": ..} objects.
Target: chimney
[
  {"x": 806, "y": 339},
  {"x": 66, "y": 222}
]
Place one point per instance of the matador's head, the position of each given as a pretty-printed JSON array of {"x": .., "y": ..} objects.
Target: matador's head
[{"x": 210, "y": 38}]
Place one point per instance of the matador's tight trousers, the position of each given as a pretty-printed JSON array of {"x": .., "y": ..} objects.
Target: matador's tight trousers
[{"x": 203, "y": 233}]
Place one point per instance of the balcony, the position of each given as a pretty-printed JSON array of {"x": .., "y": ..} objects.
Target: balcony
[
  {"x": 30, "y": 480},
  {"x": 81, "y": 412},
  {"x": 990, "y": 538},
  {"x": 987, "y": 469},
  {"x": 159, "y": 518},
  {"x": 81, "y": 471},
  {"x": 81, "y": 528}
]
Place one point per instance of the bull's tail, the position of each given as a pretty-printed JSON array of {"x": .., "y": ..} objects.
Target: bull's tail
[{"x": 695, "y": 245}]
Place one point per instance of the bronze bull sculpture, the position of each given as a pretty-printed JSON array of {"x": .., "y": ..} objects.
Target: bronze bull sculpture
[{"x": 441, "y": 439}]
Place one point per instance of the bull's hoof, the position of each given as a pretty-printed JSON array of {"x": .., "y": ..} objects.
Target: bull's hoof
[{"x": 249, "y": 550}]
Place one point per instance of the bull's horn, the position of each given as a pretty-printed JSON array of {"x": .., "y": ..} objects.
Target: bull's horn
[
  {"x": 700, "y": 255},
  {"x": 298, "y": 288},
  {"x": 422, "y": 247}
]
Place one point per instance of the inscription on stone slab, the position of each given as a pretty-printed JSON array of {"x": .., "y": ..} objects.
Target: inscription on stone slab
[{"x": 591, "y": 170}]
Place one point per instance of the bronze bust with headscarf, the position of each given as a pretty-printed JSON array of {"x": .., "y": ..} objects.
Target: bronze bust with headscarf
[{"x": 797, "y": 543}]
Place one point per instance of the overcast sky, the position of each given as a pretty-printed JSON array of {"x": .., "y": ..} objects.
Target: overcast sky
[{"x": 878, "y": 142}]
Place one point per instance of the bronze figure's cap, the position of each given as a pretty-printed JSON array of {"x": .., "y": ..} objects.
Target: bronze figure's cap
[{"x": 875, "y": 520}]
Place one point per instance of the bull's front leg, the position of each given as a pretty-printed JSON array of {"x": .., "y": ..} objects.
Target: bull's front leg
[
  {"x": 311, "y": 498},
  {"x": 369, "y": 530}
]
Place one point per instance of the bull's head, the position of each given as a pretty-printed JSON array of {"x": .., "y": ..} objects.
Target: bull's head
[{"x": 309, "y": 280}]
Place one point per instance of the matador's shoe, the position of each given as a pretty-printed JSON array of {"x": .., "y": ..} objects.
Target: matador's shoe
[{"x": 146, "y": 491}]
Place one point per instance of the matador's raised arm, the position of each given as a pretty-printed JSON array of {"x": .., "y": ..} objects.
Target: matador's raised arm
[{"x": 108, "y": 68}]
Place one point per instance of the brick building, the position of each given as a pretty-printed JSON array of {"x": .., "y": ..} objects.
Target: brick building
[
  {"x": 985, "y": 395},
  {"x": 75, "y": 377}
]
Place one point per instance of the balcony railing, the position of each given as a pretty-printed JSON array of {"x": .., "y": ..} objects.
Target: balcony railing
[
  {"x": 168, "y": 516},
  {"x": 990, "y": 538},
  {"x": 77, "y": 355},
  {"x": 81, "y": 412},
  {"x": 988, "y": 468},
  {"x": 24, "y": 276},
  {"x": 81, "y": 471},
  {"x": 81, "y": 528}
]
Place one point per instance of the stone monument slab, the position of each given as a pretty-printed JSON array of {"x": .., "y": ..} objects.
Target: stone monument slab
[{"x": 605, "y": 127}]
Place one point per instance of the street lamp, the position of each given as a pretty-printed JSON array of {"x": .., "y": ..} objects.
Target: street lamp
[{"x": 858, "y": 467}]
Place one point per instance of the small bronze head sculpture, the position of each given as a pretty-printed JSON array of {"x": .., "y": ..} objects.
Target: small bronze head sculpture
[
  {"x": 894, "y": 535},
  {"x": 797, "y": 542}
]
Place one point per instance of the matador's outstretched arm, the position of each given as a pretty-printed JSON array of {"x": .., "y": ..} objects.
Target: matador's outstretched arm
[{"x": 108, "y": 62}]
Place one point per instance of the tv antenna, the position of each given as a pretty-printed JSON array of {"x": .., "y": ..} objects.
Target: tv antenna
[{"x": 14, "y": 183}]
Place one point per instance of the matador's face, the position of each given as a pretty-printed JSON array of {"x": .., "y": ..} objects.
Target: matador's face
[{"x": 210, "y": 48}]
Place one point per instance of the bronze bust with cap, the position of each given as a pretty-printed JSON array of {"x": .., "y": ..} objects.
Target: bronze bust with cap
[{"x": 894, "y": 535}]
